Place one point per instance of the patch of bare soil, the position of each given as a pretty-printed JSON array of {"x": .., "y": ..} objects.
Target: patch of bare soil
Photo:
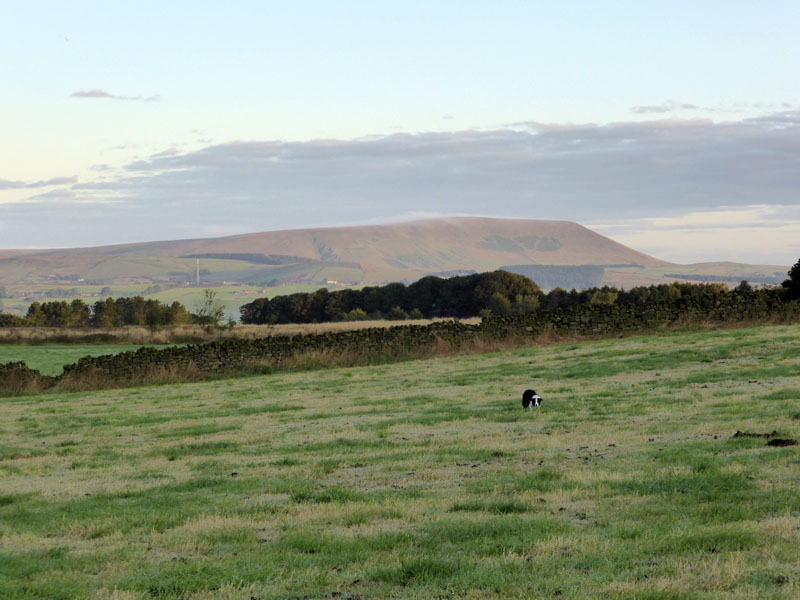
[
  {"x": 779, "y": 443},
  {"x": 775, "y": 442}
]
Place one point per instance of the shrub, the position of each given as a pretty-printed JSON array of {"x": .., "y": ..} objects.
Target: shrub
[
  {"x": 396, "y": 314},
  {"x": 357, "y": 314}
]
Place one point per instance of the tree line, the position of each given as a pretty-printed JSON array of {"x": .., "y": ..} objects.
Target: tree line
[
  {"x": 500, "y": 292},
  {"x": 497, "y": 293},
  {"x": 111, "y": 312}
]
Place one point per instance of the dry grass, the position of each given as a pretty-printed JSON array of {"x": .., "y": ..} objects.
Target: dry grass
[
  {"x": 151, "y": 375},
  {"x": 188, "y": 333}
]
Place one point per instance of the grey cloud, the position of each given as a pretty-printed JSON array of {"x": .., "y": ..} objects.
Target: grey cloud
[
  {"x": 168, "y": 152},
  {"x": 5, "y": 184},
  {"x": 54, "y": 196},
  {"x": 106, "y": 95},
  {"x": 53, "y": 181},
  {"x": 536, "y": 170}
]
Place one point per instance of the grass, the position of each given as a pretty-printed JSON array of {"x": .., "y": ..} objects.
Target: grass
[
  {"x": 39, "y": 336},
  {"x": 50, "y": 358},
  {"x": 423, "y": 479}
]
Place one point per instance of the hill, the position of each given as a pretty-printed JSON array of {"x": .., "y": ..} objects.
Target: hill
[{"x": 369, "y": 254}]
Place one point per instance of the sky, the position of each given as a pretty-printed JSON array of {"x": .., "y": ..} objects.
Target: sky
[{"x": 672, "y": 127}]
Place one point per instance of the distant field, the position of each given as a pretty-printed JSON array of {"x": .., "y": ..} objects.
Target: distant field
[
  {"x": 50, "y": 358},
  {"x": 423, "y": 479}
]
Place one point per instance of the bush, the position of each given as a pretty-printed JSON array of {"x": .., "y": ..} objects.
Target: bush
[
  {"x": 396, "y": 314},
  {"x": 7, "y": 320},
  {"x": 357, "y": 314}
]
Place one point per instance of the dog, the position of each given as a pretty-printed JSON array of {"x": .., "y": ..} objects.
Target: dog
[{"x": 531, "y": 400}]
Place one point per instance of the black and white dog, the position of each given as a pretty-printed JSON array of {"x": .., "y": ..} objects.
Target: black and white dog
[{"x": 531, "y": 399}]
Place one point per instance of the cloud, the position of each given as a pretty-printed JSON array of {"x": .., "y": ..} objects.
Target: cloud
[
  {"x": 672, "y": 107},
  {"x": 666, "y": 107},
  {"x": 5, "y": 184},
  {"x": 762, "y": 234},
  {"x": 588, "y": 173},
  {"x": 106, "y": 95},
  {"x": 573, "y": 171}
]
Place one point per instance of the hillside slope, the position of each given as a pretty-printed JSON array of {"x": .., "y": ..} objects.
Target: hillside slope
[
  {"x": 404, "y": 251},
  {"x": 359, "y": 254}
]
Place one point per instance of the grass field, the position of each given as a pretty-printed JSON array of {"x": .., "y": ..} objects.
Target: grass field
[
  {"x": 49, "y": 359},
  {"x": 423, "y": 479}
]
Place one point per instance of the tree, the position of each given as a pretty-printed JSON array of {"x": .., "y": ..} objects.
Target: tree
[
  {"x": 7, "y": 320},
  {"x": 178, "y": 315},
  {"x": 3, "y": 292},
  {"x": 488, "y": 286},
  {"x": 499, "y": 305},
  {"x": 524, "y": 304},
  {"x": 104, "y": 314},
  {"x": 357, "y": 314},
  {"x": 396, "y": 314},
  {"x": 131, "y": 311},
  {"x": 35, "y": 316},
  {"x": 792, "y": 285},
  {"x": 416, "y": 314},
  {"x": 604, "y": 295},
  {"x": 78, "y": 314},
  {"x": 210, "y": 310}
]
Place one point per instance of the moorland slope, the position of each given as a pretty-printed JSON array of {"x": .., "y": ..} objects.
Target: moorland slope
[{"x": 366, "y": 254}]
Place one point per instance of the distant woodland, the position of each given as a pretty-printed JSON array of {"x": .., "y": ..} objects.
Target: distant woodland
[
  {"x": 498, "y": 293},
  {"x": 465, "y": 296}
]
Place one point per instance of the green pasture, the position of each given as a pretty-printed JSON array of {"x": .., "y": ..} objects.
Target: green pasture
[
  {"x": 422, "y": 479},
  {"x": 50, "y": 358},
  {"x": 232, "y": 297}
]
